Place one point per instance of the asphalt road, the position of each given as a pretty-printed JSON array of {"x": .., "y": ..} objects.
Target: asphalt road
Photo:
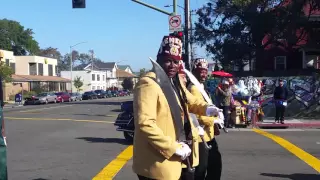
[
  {"x": 49, "y": 141},
  {"x": 75, "y": 141}
]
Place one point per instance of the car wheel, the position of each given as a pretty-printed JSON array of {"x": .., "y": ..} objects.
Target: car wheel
[
  {"x": 55, "y": 101},
  {"x": 46, "y": 102}
]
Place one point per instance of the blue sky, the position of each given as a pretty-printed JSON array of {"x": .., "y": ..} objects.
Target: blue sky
[{"x": 117, "y": 30}]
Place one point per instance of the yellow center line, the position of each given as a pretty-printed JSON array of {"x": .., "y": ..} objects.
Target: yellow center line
[
  {"x": 304, "y": 156},
  {"x": 57, "y": 119},
  {"x": 112, "y": 169}
]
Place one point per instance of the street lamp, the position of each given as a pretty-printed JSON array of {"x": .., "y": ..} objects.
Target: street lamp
[
  {"x": 71, "y": 60},
  {"x": 177, "y": 6}
]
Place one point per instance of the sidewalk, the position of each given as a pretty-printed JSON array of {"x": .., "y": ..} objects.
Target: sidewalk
[{"x": 290, "y": 123}]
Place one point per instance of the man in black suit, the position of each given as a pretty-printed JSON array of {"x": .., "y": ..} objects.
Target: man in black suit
[{"x": 280, "y": 97}]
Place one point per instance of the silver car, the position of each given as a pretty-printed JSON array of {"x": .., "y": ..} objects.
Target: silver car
[
  {"x": 45, "y": 98},
  {"x": 76, "y": 96}
]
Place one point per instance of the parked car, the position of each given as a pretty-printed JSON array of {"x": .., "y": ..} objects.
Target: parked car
[
  {"x": 101, "y": 93},
  {"x": 76, "y": 96},
  {"x": 115, "y": 93},
  {"x": 122, "y": 93},
  {"x": 89, "y": 95},
  {"x": 42, "y": 98},
  {"x": 109, "y": 93},
  {"x": 63, "y": 97}
]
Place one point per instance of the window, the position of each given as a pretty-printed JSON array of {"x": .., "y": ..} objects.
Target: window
[
  {"x": 98, "y": 87},
  {"x": 32, "y": 68},
  {"x": 93, "y": 87},
  {"x": 50, "y": 69},
  {"x": 98, "y": 77},
  {"x": 40, "y": 69},
  {"x": 7, "y": 62},
  {"x": 280, "y": 63},
  {"x": 93, "y": 77},
  {"x": 103, "y": 79},
  {"x": 13, "y": 67},
  {"x": 56, "y": 69}
]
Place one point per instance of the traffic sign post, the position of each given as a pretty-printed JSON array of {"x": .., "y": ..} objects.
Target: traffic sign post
[{"x": 175, "y": 23}]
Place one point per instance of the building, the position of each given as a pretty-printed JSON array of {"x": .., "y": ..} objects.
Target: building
[
  {"x": 122, "y": 74},
  {"x": 304, "y": 54},
  {"x": 108, "y": 67},
  {"x": 32, "y": 73},
  {"x": 126, "y": 68},
  {"x": 92, "y": 80}
]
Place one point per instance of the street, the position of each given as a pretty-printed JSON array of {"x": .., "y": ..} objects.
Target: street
[{"x": 75, "y": 141}]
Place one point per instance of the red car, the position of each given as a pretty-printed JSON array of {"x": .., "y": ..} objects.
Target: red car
[{"x": 63, "y": 97}]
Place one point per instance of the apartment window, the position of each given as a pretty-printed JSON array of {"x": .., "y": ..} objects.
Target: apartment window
[
  {"x": 98, "y": 77},
  {"x": 40, "y": 69},
  {"x": 56, "y": 69},
  {"x": 98, "y": 87},
  {"x": 103, "y": 79},
  {"x": 8, "y": 62},
  {"x": 93, "y": 87},
  {"x": 13, "y": 67},
  {"x": 93, "y": 77},
  {"x": 280, "y": 63},
  {"x": 32, "y": 68},
  {"x": 50, "y": 70}
]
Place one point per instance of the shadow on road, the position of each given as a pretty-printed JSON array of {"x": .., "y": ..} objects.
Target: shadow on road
[
  {"x": 40, "y": 179},
  {"x": 295, "y": 176},
  {"x": 104, "y": 140},
  {"x": 96, "y": 102}
]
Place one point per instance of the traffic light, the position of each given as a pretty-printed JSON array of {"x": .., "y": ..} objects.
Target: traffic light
[{"x": 78, "y": 3}]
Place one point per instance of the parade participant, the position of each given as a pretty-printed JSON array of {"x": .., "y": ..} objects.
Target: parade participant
[
  {"x": 157, "y": 152},
  {"x": 280, "y": 97},
  {"x": 209, "y": 162},
  {"x": 224, "y": 94},
  {"x": 182, "y": 74}
]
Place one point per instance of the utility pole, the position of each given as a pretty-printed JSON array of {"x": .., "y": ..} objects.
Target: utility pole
[
  {"x": 92, "y": 58},
  {"x": 71, "y": 61},
  {"x": 187, "y": 32}
]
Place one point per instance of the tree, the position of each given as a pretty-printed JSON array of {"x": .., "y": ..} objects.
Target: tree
[
  {"x": 5, "y": 72},
  {"x": 14, "y": 37},
  {"x": 232, "y": 31},
  {"x": 127, "y": 84},
  {"x": 78, "y": 83},
  {"x": 142, "y": 72}
]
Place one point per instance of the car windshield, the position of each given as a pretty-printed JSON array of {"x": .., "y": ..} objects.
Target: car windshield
[
  {"x": 58, "y": 94},
  {"x": 87, "y": 93},
  {"x": 73, "y": 94},
  {"x": 43, "y": 94}
]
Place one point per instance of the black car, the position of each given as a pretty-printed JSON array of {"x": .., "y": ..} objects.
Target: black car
[
  {"x": 89, "y": 95},
  {"x": 101, "y": 93}
]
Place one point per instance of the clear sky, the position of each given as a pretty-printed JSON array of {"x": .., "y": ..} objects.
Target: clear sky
[{"x": 117, "y": 30}]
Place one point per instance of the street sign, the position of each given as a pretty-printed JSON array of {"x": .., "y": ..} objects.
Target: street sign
[{"x": 175, "y": 23}]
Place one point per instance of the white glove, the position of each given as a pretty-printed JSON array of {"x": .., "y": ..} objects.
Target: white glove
[
  {"x": 200, "y": 131},
  {"x": 213, "y": 111},
  {"x": 183, "y": 152}
]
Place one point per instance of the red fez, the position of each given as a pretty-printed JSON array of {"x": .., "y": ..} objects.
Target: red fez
[
  {"x": 200, "y": 63},
  {"x": 171, "y": 47}
]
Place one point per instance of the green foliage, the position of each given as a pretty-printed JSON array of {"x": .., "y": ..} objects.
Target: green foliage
[
  {"x": 14, "y": 37},
  {"x": 142, "y": 72},
  {"x": 5, "y": 72},
  {"x": 232, "y": 31},
  {"x": 127, "y": 84},
  {"x": 78, "y": 83}
]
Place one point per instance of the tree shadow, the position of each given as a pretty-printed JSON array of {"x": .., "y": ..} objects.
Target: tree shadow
[
  {"x": 104, "y": 140},
  {"x": 40, "y": 179},
  {"x": 296, "y": 176}
]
